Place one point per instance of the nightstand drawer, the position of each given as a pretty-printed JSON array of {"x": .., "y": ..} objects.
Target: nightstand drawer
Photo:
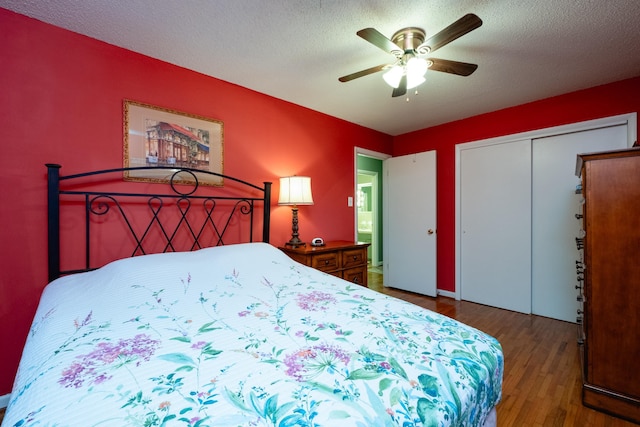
[
  {"x": 357, "y": 275},
  {"x": 354, "y": 257},
  {"x": 326, "y": 262}
]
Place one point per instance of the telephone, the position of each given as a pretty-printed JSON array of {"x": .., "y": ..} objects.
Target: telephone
[{"x": 317, "y": 242}]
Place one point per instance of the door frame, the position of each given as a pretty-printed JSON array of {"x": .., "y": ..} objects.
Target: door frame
[
  {"x": 630, "y": 119},
  {"x": 359, "y": 151}
]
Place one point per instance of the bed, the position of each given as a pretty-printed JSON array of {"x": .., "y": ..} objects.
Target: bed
[{"x": 241, "y": 335}]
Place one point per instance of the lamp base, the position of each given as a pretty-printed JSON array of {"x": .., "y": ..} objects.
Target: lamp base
[{"x": 295, "y": 243}]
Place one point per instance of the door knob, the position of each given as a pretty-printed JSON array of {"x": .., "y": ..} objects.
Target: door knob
[{"x": 430, "y": 232}]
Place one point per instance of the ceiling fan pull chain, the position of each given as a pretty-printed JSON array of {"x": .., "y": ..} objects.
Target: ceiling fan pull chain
[{"x": 415, "y": 93}]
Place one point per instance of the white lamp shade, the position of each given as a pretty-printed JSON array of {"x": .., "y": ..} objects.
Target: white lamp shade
[
  {"x": 295, "y": 190},
  {"x": 416, "y": 81},
  {"x": 393, "y": 76},
  {"x": 416, "y": 69}
]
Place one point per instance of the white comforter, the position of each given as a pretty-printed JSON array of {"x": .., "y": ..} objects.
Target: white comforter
[{"x": 242, "y": 335}]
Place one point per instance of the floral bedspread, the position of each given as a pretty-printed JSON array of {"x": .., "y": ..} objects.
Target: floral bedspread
[{"x": 241, "y": 335}]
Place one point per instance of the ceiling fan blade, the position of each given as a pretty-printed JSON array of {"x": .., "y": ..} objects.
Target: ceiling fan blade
[
  {"x": 402, "y": 87},
  {"x": 378, "y": 39},
  {"x": 462, "y": 26},
  {"x": 452, "y": 67},
  {"x": 362, "y": 73}
]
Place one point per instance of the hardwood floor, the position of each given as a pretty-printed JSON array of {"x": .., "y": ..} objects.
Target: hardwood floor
[{"x": 542, "y": 382}]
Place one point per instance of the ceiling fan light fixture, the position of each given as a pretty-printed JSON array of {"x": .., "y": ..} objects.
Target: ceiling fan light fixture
[
  {"x": 393, "y": 76},
  {"x": 410, "y": 47}
]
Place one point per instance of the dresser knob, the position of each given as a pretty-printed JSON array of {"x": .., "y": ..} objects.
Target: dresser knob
[{"x": 326, "y": 262}]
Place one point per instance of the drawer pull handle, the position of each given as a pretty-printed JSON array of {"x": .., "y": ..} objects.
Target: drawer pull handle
[
  {"x": 326, "y": 262},
  {"x": 355, "y": 257}
]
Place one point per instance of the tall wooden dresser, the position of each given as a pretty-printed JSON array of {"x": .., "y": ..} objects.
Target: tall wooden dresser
[{"x": 609, "y": 281}]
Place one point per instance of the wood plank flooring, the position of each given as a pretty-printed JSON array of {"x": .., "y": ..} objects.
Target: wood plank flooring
[{"x": 542, "y": 382}]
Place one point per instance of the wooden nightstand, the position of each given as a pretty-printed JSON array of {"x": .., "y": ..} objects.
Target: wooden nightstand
[{"x": 344, "y": 259}]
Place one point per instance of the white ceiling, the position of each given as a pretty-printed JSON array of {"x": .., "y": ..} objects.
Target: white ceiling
[{"x": 295, "y": 50}]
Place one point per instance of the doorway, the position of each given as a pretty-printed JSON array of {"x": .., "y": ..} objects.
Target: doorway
[
  {"x": 368, "y": 207},
  {"x": 368, "y": 211},
  {"x": 367, "y": 230}
]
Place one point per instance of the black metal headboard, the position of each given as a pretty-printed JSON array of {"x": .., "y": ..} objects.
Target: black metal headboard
[{"x": 209, "y": 227}]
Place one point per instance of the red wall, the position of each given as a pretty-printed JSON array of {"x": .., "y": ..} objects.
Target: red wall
[
  {"x": 601, "y": 101},
  {"x": 61, "y": 98}
]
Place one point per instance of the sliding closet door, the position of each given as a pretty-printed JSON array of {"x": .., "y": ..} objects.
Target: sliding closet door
[
  {"x": 495, "y": 213},
  {"x": 409, "y": 222},
  {"x": 554, "y": 226}
]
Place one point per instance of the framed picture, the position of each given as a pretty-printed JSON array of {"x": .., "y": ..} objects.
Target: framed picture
[{"x": 155, "y": 136}]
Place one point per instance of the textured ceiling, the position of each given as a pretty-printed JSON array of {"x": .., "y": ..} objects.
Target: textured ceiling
[{"x": 295, "y": 50}]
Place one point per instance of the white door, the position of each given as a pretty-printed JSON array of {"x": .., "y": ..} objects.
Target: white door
[
  {"x": 495, "y": 215},
  {"x": 554, "y": 225},
  {"x": 409, "y": 222}
]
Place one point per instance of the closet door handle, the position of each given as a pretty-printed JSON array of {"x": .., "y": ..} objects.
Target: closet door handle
[{"x": 430, "y": 231}]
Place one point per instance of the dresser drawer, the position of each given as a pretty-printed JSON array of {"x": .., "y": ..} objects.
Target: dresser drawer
[
  {"x": 354, "y": 257},
  {"x": 357, "y": 275},
  {"x": 326, "y": 261}
]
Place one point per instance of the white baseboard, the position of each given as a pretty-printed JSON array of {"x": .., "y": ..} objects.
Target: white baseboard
[
  {"x": 4, "y": 400},
  {"x": 447, "y": 294}
]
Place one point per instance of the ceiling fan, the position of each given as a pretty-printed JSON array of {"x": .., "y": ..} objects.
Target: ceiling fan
[{"x": 411, "y": 49}]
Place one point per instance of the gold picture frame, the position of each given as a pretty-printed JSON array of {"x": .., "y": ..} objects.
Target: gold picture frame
[{"x": 155, "y": 136}]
